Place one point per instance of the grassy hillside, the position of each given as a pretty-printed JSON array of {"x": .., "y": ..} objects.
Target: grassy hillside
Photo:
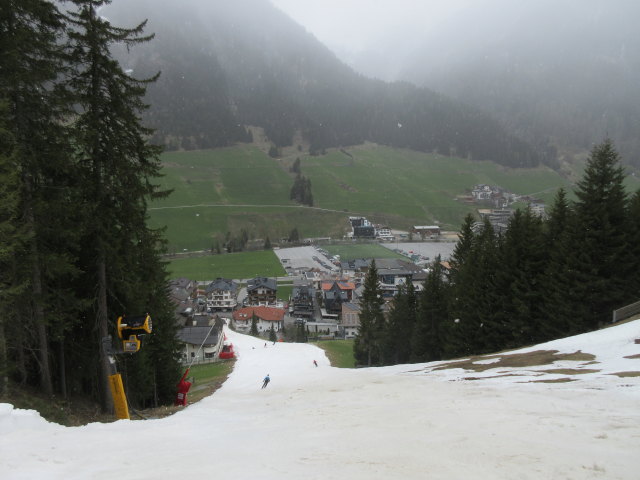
[
  {"x": 411, "y": 185},
  {"x": 226, "y": 190}
]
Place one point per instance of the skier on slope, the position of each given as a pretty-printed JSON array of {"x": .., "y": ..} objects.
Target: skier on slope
[{"x": 266, "y": 381}]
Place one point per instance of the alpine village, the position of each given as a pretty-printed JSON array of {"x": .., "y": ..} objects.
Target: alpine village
[{"x": 155, "y": 194}]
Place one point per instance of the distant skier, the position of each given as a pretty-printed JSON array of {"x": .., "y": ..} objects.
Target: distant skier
[
  {"x": 266, "y": 381},
  {"x": 315, "y": 363}
]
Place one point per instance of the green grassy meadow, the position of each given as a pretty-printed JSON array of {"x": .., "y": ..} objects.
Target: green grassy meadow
[
  {"x": 231, "y": 265},
  {"x": 235, "y": 188},
  {"x": 339, "y": 352},
  {"x": 210, "y": 371},
  {"x": 384, "y": 182}
]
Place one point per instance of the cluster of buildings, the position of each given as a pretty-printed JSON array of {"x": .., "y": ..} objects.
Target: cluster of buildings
[
  {"x": 325, "y": 304},
  {"x": 497, "y": 200},
  {"x": 361, "y": 228},
  {"x": 198, "y": 308}
]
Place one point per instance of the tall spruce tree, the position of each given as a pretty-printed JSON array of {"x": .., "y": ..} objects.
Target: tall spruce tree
[
  {"x": 633, "y": 216},
  {"x": 560, "y": 302},
  {"x": 474, "y": 298},
  {"x": 396, "y": 343},
  {"x": 598, "y": 262},
  {"x": 9, "y": 243},
  {"x": 429, "y": 340},
  {"x": 31, "y": 61},
  {"x": 519, "y": 279},
  {"x": 368, "y": 342},
  {"x": 117, "y": 163}
]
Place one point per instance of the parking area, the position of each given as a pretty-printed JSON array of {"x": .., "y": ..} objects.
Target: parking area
[
  {"x": 427, "y": 250},
  {"x": 304, "y": 258}
]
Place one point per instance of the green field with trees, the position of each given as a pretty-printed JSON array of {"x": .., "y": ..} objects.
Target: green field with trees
[{"x": 218, "y": 193}]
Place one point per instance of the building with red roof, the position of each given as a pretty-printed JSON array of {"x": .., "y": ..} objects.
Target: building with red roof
[{"x": 266, "y": 317}]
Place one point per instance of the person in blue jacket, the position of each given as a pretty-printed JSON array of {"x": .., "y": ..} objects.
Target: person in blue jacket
[{"x": 266, "y": 381}]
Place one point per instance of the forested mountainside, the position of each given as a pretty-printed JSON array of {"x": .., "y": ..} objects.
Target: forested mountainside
[
  {"x": 229, "y": 65},
  {"x": 564, "y": 71}
]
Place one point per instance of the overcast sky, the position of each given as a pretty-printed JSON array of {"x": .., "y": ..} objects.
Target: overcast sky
[{"x": 353, "y": 25}]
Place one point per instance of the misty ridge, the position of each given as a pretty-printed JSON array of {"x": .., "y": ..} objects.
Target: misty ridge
[{"x": 519, "y": 83}]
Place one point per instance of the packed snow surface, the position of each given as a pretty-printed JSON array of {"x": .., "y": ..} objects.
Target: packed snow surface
[{"x": 577, "y": 418}]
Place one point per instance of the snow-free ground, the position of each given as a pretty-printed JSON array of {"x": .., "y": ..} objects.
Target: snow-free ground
[{"x": 543, "y": 415}]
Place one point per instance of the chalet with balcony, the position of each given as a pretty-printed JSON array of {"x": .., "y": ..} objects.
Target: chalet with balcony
[
  {"x": 262, "y": 291},
  {"x": 222, "y": 294},
  {"x": 335, "y": 293},
  {"x": 302, "y": 303}
]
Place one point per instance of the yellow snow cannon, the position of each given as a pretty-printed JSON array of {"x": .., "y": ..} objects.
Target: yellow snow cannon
[{"x": 131, "y": 330}]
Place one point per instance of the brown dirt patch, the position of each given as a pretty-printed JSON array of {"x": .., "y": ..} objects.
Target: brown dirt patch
[
  {"x": 493, "y": 376},
  {"x": 554, "y": 380},
  {"x": 570, "y": 371},
  {"x": 529, "y": 359},
  {"x": 637, "y": 355},
  {"x": 626, "y": 374}
]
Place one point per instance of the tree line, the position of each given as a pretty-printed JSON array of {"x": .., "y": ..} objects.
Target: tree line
[
  {"x": 76, "y": 174},
  {"x": 538, "y": 281}
]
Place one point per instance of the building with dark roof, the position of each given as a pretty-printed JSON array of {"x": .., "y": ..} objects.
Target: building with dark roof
[
  {"x": 262, "y": 291},
  {"x": 302, "y": 302},
  {"x": 222, "y": 294},
  {"x": 203, "y": 331},
  {"x": 335, "y": 293}
]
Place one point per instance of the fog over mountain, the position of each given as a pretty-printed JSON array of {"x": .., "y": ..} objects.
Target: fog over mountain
[
  {"x": 565, "y": 70},
  {"x": 227, "y": 66}
]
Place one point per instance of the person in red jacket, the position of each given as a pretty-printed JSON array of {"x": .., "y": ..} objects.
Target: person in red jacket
[{"x": 183, "y": 389}]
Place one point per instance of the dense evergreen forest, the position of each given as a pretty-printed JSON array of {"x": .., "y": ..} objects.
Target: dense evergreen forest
[
  {"x": 76, "y": 175},
  {"x": 229, "y": 65},
  {"x": 540, "y": 280}
]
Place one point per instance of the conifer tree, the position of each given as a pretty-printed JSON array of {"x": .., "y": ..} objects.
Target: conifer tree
[
  {"x": 633, "y": 215},
  {"x": 396, "y": 343},
  {"x": 474, "y": 299},
  {"x": 294, "y": 236},
  {"x": 31, "y": 61},
  {"x": 429, "y": 335},
  {"x": 9, "y": 242},
  {"x": 463, "y": 247},
  {"x": 519, "y": 278},
  {"x": 272, "y": 334},
  {"x": 368, "y": 342},
  {"x": 254, "y": 325},
  {"x": 559, "y": 307},
  {"x": 598, "y": 263},
  {"x": 115, "y": 160}
]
